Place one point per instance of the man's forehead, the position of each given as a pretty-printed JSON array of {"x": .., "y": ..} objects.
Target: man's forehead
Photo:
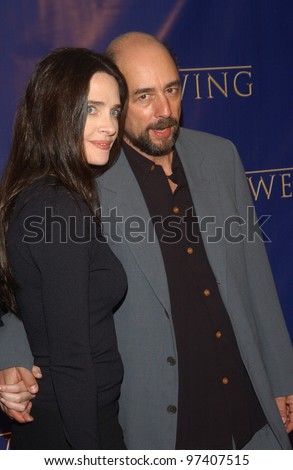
[
  {"x": 143, "y": 59},
  {"x": 150, "y": 75}
]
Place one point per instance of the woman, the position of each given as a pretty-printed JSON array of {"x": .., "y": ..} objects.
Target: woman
[{"x": 57, "y": 272}]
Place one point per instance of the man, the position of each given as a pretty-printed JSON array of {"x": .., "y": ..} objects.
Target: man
[{"x": 208, "y": 360}]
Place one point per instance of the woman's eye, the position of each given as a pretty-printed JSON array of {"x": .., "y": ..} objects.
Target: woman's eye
[
  {"x": 115, "y": 112},
  {"x": 90, "y": 110}
]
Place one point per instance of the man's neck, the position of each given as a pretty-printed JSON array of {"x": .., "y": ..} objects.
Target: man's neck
[{"x": 165, "y": 161}]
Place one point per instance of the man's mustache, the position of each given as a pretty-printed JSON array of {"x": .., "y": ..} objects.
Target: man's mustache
[{"x": 163, "y": 123}]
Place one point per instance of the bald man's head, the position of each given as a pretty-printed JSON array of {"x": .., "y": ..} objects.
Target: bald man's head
[
  {"x": 136, "y": 40},
  {"x": 154, "y": 105}
]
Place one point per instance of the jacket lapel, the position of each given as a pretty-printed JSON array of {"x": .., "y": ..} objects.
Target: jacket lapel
[
  {"x": 205, "y": 194},
  {"x": 119, "y": 189}
]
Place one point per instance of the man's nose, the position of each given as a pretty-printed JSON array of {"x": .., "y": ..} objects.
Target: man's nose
[{"x": 163, "y": 107}]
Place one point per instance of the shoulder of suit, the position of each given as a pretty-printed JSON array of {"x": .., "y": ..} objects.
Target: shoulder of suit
[
  {"x": 216, "y": 153},
  {"x": 201, "y": 137},
  {"x": 206, "y": 143}
]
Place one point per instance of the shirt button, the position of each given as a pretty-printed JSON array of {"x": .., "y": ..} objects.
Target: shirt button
[
  {"x": 218, "y": 334},
  {"x": 176, "y": 210},
  {"x": 189, "y": 250},
  {"x": 206, "y": 292},
  {"x": 171, "y": 361},
  {"x": 171, "y": 409},
  {"x": 153, "y": 167},
  {"x": 225, "y": 380}
]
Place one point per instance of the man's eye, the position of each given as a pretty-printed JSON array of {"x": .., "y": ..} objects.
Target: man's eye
[{"x": 143, "y": 97}]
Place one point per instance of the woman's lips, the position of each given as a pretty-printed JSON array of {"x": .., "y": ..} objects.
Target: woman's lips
[{"x": 102, "y": 144}]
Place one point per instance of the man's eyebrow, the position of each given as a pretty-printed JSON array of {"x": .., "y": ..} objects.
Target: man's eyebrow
[
  {"x": 174, "y": 83},
  {"x": 143, "y": 90},
  {"x": 140, "y": 91}
]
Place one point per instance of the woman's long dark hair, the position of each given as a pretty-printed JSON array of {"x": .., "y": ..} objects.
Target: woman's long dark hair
[{"x": 48, "y": 137}]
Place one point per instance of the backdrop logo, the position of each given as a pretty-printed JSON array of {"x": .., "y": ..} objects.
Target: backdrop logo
[
  {"x": 271, "y": 183},
  {"x": 215, "y": 82}
]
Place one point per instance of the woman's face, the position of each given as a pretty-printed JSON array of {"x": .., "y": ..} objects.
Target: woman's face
[{"x": 103, "y": 110}]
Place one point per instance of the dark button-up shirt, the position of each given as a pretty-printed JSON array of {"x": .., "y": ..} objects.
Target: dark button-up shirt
[{"x": 216, "y": 398}]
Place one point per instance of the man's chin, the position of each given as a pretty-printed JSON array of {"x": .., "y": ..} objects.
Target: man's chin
[
  {"x": 161, "y": 150},
  {"x": 163, "y": 144},
  {"x": 152, "y": 145}
]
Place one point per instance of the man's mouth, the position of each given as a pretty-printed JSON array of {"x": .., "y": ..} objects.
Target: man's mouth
[{"x": 162, "y": 133}]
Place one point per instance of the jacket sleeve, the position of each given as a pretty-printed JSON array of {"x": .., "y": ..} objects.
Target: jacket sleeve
[
  {"x": 14, "y": 346},
  {"x": 275, "y": 343}
]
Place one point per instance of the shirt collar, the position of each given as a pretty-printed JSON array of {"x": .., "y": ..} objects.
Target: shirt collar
[{"x": 142, "y": 166}]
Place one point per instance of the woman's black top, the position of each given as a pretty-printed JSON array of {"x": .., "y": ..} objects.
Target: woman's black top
[{"x": 68, "y": 284}]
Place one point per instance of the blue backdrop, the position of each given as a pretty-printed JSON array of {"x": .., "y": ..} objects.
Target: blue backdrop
[{"x": 236, "y": 68}]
